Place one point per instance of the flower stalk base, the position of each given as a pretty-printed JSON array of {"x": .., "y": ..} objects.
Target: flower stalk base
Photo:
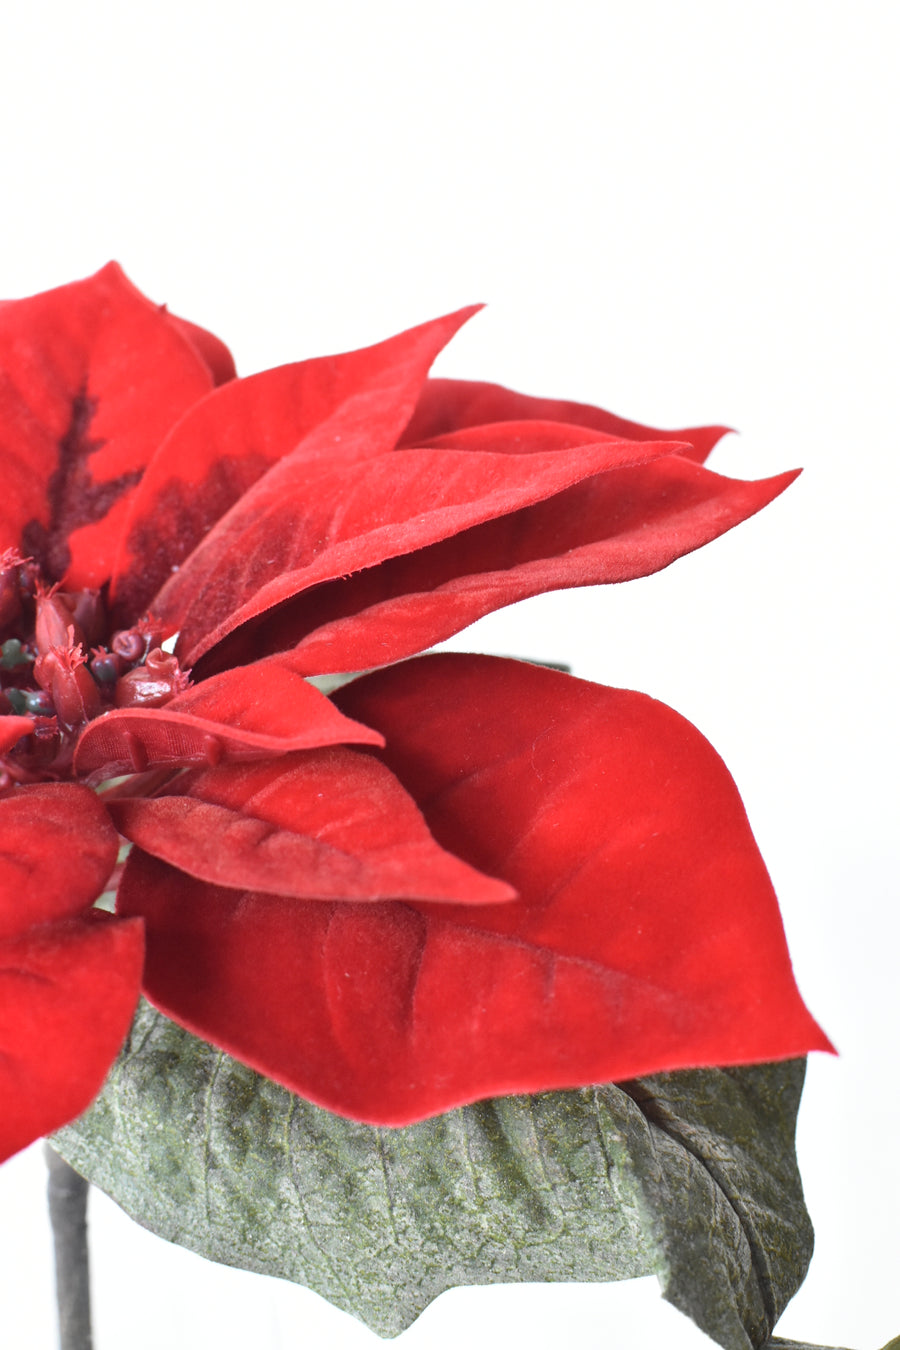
[{"x": 67, "y": 1193}]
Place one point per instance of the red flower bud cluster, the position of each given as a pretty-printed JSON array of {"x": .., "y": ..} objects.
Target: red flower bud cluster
[{"x": 50, "y": 679}]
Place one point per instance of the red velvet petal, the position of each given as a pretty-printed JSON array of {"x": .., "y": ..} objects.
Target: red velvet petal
[
  {"x": 218, "y": 358},
  {"x": 68, "y": 992},
  {"x": 447, "y": 405},
  {"x": 310, "y": 521},
  {"x": 92, "y": 376},
  {"x": 231, "y": 439},
  {"x": 647, "y": 937},
  {"x": 324, "y": 825},
  {"x": 611, "y": 527},
  {"x": 57, "y": 848},
  {"x": 255, "y": 712}
]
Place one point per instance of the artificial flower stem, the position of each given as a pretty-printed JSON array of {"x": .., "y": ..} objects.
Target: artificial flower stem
[
  {"x": 778, "y": 1344},
  {"x": 67, "y": 1202}
]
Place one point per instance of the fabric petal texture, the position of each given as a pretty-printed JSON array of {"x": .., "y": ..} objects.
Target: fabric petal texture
[
  {"x": 612, "y": 527},
  {"x": 647, "y": 936},
  {"x": 69, "y": 976},
  {"x": 68, "y": 991},
  {"x": 332, "y": 824},
  {"x": 317, "y": 515},
  {"x": 80, "y": 420},
  {"x": 57, "y": 850},
  {"x": 229, "y": 440},
  {"x": 254, "y": 712},
  {"x": 457, "y": 878},
  {"x": 449, "y": 405}
]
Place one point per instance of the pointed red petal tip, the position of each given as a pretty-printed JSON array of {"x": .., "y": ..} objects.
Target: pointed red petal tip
[
  {"x": 80, "y": 419},
  {"x": 357, "y": 402},
  {"x": 478, "y": 531},
  {"x": 449, "y": 405},
  {"x": 327, "y": 825},
  {"x": 621, "y": 830}
]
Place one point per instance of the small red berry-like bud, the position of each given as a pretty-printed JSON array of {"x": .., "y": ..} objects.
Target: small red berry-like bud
[
  {"x": 63, "y": 673},
  {"x": 106, "y": 667},
  {"x": 153, "y": 684},
  {"x": 55, "y": 624},
  {"x": 129, "y": 644}
]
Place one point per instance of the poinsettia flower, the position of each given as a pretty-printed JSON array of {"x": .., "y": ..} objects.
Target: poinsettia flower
[{"x": 458, "y": 879}]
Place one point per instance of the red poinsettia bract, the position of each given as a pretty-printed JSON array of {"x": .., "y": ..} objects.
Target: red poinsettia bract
[{"x": 461, "y": 877}]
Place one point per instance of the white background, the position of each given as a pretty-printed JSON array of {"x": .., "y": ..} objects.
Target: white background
[{"x": 684, "y": 210}]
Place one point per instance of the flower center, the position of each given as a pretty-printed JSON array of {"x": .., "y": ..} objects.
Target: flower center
[{"x": 60, "y": 668}]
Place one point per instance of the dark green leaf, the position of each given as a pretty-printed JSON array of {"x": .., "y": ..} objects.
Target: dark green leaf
[
  {"x": 778, "y": 1344},
  {"x": 690, "y": 1176},
  {"x": 724, "y": 1194}
]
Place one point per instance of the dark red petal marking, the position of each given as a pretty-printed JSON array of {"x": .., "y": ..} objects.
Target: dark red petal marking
[
  {"x": 310, "y": 520},
  {"x": 92, "y": 376},
  {"x": 647, "y": 937},
  {"x": 328, "y": 824},
  {"x": 447, "y": 405},
  {"x": 256, "y": 712},
  {"x": 68, "y": 991},
  {"x": 611, "y": 527},
  {"x": 234, "y": 436},
  {"x": 57, "y": 848}
]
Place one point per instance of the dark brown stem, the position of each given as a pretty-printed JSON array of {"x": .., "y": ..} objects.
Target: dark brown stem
[{"x": 67, "y": 1201}]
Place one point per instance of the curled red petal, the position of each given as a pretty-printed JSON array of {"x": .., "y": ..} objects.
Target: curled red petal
[
  {"x": 68, "y": 992},
  {"x": 611, "y": 527},
  {"x": 80, "y": 418},
  {"x": 254, "y": 712},
  {"x": 227, "y": 442},
  {"x": 324, "y": 825},
  {"x": 448, "y": 405},
  {"x": 312, "y": 520},
  {"x": 57, "y": 849}
]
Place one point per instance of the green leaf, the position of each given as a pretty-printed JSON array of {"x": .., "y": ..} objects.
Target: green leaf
[
  {"x": 778, "y": 1344},
  {"x": 689, "y": 1175}
]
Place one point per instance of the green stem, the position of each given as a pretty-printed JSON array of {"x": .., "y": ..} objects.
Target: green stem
[{"x": 67, "y": 1202}]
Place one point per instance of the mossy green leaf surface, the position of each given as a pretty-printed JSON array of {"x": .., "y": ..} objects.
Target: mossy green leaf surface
[{"x": 688, "y": 1175}]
